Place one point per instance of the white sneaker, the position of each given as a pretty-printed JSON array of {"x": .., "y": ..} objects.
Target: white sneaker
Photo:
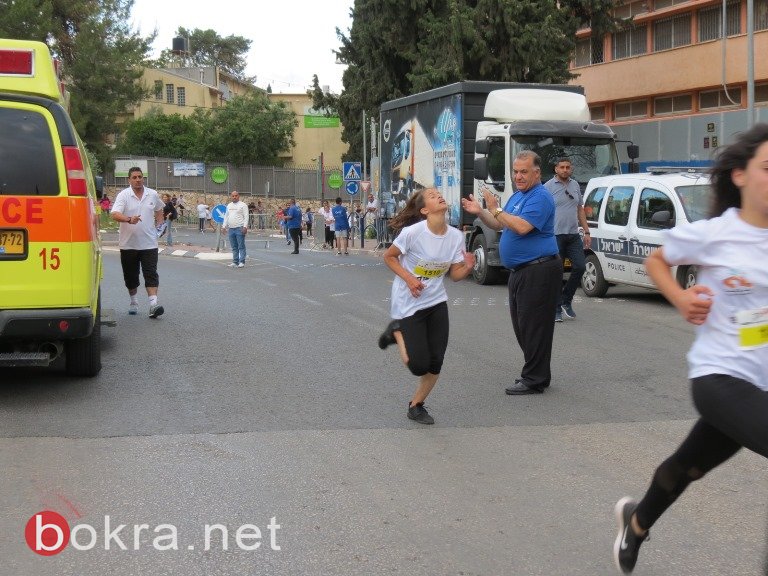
[
  {"x": 241, "y": 265},
  {"x": 232, "y": 265},
  {"x": 133, "y": 309}
]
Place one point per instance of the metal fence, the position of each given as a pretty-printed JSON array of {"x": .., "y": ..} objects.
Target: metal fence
[{"x": 262, "y": 181}]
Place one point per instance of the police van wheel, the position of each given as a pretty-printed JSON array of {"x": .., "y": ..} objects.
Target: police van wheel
[
  {"x": 686, "y": 276},
  {"x": 83, "y": 355},
  {"x": 592, "y": 281}
]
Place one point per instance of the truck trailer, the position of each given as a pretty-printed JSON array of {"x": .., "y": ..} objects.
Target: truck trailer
[{"x": 462, "y": 137}]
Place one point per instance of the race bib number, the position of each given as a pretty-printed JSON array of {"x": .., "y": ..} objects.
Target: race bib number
[
  {"x": 429, "y": 270},
  {"x": 753, "y": 327}
]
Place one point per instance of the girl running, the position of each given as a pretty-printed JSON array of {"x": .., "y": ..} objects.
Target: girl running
[
  {"x": 728, "y": 362},
  {"x": 425, "y": 250}
]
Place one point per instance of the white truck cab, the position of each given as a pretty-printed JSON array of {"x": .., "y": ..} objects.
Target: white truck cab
[{"x": 627, "y": 216}]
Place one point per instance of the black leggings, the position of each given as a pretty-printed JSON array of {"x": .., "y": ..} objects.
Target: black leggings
[
  {"x": 733, "y": 415},
  {"x": 426, "y": 338}
]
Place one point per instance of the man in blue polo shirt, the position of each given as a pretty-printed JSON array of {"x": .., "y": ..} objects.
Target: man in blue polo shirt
[
  {"x": 529, "y": 249},
  {"x": 342, "y": 226}
]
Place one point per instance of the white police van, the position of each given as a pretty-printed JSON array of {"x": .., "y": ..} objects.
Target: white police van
[{"x": 627, "y": 215}]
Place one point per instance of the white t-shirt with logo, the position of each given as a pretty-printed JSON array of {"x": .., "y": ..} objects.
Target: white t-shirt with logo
[
  {"x": 143, "y": 234},
  {"x": 428, "y": 256},
  {"x": 731, "y": 259}
]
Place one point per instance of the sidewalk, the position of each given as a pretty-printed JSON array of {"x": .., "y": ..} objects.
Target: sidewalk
[{"x": 190, "y": 243}]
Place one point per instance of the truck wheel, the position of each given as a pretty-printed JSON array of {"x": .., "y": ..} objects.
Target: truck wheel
[
  {"x": 592, "y": 281},
  {"x": 482, "y": 273},
  {"x": 83, "y": 355},
  {"x": 686, "y": 276}
]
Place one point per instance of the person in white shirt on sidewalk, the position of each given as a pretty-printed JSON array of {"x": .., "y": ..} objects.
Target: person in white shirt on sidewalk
[
  {"x": 236, "y": 223},
  {"x": 140, "y": 211}
]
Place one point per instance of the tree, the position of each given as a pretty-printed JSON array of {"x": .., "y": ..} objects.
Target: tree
[
  {"x": 401, "y": 47},
  {"x": 26, "y": 19},
  {"x": 101, "y": 57},
  {"x": 250, "y": 129},
  {"x": 207, "y": 48},
  {"x": 168, "y": 136}
]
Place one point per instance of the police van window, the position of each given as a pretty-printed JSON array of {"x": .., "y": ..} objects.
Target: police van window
[
  {"x": 592, "y": 204},
  {"x": 618, "y": 204},
  {"x": 651, "y": 202},
  {"x": 27, "y": 158}
]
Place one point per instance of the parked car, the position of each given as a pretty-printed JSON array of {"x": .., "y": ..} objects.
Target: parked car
[{"x": 627, "y": 216}]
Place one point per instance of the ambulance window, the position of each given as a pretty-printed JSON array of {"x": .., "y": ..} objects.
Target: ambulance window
[{"x": 27, "y": 158}]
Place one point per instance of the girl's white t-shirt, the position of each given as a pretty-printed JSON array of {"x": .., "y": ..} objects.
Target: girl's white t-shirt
[
  {"x": 731, "y": 259},
  {"x": 428, "y": 256}
]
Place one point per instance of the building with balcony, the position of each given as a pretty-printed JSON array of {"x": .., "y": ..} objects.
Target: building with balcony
[{"x": 669, "y": 83}]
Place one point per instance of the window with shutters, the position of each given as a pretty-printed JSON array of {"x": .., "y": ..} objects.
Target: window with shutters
[
  {"x": 630, "y": 42},
  {"x": 672, "y": 32},
  {"x": 711, "y": 21}
]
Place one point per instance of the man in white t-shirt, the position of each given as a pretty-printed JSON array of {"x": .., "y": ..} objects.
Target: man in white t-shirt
[
  {"x": 236, "y": 223},
  {"x": 140, "y": 211},
  {"x": 201, "y": 210}
]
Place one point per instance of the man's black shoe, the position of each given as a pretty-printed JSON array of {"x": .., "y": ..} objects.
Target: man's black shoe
[
  {"x": 519, "y": 388},
  {"x": 418, "y": 413},
  {"x": 388, "y": 337}
]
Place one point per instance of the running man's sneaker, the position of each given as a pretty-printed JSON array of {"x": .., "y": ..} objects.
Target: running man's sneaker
[
  {"x": 232, "y": 265},
  {"x": 558, "y": 316},
  {"x": 627, "y": 544},
  {"x": 155, "y": 311},
  {"x": 568, "y": 311},
  {"x": 241, "y": 265},
  {"x": 418, "y": 413},
  {"x": 133, "y": 309}
]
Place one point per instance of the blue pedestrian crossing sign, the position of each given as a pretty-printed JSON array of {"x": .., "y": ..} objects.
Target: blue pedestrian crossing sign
[
  {"x": 353, "y": 171},
  {"x": 352, "y": 187}
]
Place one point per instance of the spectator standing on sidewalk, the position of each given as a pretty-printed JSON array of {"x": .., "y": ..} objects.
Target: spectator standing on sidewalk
[
  {"x": 169, "y": 214},
  {"x": 260, "y": 214},
  {"x": 326, "y": 217},
  {"x": 728, "y": 361},
  {"x": 569, "y": 215},
  {"x": 426, "y": 250},
  {"x": 202, "y": 209},
  {"x": 139, "y": 211},
  {"x": 236, "y": 223},
  {"x": 341, "y": 223}
]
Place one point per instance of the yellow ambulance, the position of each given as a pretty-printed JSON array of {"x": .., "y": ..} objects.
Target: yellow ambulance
[{"x": 50, "y": 249}]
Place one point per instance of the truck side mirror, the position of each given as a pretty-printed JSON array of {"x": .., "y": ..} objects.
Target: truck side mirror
[
  {"x": 482, "y": 147},
  {"x": 633, "y": 167},
  {"x": 481, "y": 168},
  {"x": 98, "y": 182},
  {"x": 633, "y": 151}
]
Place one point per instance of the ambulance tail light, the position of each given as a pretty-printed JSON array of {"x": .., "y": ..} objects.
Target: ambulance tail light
[
  {"x": 73, "y": 164},
  {"x": 16, "y": 62}
]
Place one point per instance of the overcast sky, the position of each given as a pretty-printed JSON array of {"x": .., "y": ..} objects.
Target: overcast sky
[{"x": 292, "y": 39}]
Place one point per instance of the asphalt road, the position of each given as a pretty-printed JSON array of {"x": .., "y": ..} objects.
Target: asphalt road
[{"x": 261, "y": 394}]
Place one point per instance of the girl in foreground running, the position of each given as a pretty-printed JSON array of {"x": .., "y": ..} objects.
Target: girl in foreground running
[
  {"x": 423, "y": 252},
  {"x": 728, "y": 362}
]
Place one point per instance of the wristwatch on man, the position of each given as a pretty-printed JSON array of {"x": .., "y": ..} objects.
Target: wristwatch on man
[{"x": 496, "y": 212}]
